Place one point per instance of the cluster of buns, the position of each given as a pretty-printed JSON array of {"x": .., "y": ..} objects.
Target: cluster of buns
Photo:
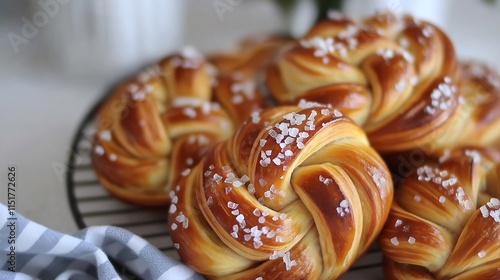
[{"x": 273, "y": 156}]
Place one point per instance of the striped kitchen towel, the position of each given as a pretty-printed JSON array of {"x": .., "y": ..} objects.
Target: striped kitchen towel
[{"x": 31, "y": 251}]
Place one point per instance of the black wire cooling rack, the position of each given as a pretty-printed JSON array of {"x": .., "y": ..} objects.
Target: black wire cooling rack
[{"x": 92, "y": 205}]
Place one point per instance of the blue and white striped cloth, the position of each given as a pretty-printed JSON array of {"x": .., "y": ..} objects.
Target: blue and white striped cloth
[{"x": 42, "y": 253}]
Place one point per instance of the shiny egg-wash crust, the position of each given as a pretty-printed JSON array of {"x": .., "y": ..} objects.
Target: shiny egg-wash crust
[
  {"x": 157, "y": 126},
  {"x": 296, "y": 193},
  {"x": 395, "y": 76},
  {"x": 480, "y": 88},
  {"x": 445, "y": 220}
]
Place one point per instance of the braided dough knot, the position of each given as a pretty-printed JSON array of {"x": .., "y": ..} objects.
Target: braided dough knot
[
  {"x": 157, "y": 125},
  {"x": 445, "y": 220},
  {"x": 296, "y": 192},
  {"x": 395, "y": 76}
]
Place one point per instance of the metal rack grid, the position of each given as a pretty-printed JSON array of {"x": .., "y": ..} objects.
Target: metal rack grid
[{"x": 92, "y": 205}]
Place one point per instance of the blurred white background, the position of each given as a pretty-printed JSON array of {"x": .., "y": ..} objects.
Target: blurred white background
[{"x": 51, "y": 79}]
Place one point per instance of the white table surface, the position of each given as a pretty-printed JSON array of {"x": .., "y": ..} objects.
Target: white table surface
[{"x": 40, "y": 108}]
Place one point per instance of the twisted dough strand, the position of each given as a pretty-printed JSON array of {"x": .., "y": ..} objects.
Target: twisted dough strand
[
  {"x": 251, "y": 56},
  {"x": 158, "y": 125},
  {"x": 481, "y": 91},
  {"x": 287, "y": 195},
  {"x": 395, "y": 76},
  {"x": 445, "y": 220}
]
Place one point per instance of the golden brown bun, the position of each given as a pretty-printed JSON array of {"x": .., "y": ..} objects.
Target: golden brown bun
[
  {"x": 159, "y": 124},
  {"x": 445, "y": 220},
  {"x": 478, "y": 123},
  {"x": 393, "y": 75},
  {"x": 296, "y": 193}
]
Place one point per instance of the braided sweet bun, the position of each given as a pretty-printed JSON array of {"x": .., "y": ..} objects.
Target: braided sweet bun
[
  {"x": 445, "y": 220},
  {"x": 395, "y": 76},
  {"x": 296, "y": 193},
  {"x": 478, "y": 123},
  {"x": 157, "y": 125}
]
